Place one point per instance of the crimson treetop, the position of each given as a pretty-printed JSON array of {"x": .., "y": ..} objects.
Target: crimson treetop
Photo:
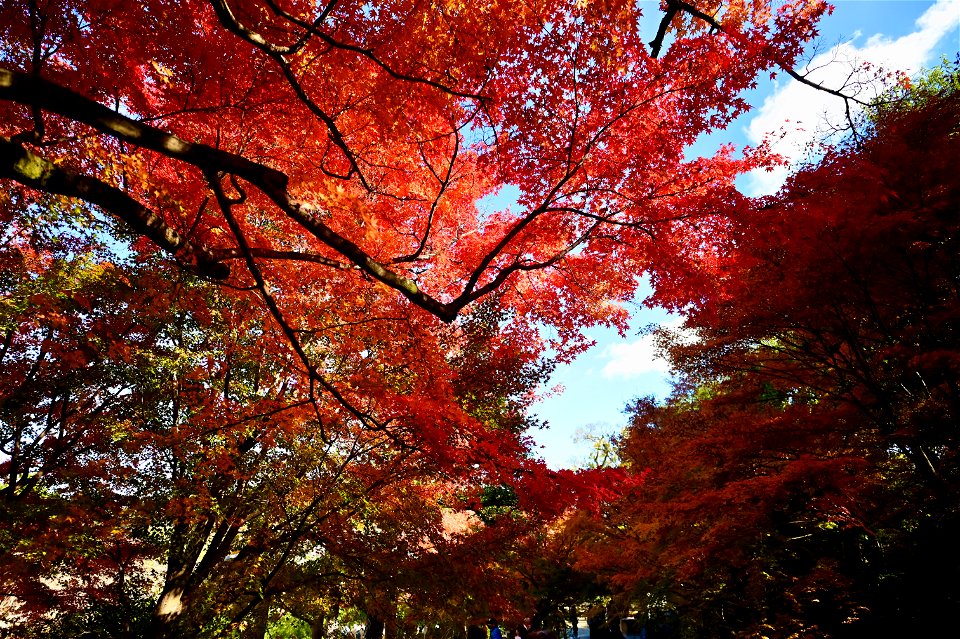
[{"x": 359, "y": 136}]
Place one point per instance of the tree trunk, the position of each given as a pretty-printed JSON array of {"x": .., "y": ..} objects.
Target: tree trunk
[
  {"x": 373, "y": 629},
  {"x": 167, "y": 614},
  {"x": 258, "y": 620},
  {"x": 318, "y": 628}
]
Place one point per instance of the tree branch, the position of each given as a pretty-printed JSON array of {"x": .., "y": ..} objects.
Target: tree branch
[
  {"x": 21, "y": 88},
  {"x": 312, "y": 29},
  {"x": 274, "y": 254},
  {"x": 675, "y": 6},
  {"x": 289, "y": 332},
  {"x": 23, "y": 166}
]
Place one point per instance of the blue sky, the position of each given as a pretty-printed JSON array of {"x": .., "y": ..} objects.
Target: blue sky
[{"x": 904, "y": 35}]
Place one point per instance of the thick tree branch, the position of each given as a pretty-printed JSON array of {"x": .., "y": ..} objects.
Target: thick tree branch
[
  {"x": 24, "y": 89},
  {"x": 21, "y": 165},
  {"x": 657, "y": 43}
]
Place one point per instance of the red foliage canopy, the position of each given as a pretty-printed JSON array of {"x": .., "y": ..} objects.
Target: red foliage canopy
[
  {"x": 272, "y": 313},
  {"x": 803, "y": 476}
]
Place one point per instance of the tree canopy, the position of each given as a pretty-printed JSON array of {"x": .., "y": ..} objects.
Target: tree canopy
[
  {"x": 281, "y": 278},
  {"x": 802, "y": 479}
]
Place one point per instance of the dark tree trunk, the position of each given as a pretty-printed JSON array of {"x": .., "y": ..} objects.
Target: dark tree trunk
[
  {"x": 259, "y": 618},
  {"x": 168, "y": 613},
  {"x": 318, "y": 628},
  {"x": 373, "y": 629}
]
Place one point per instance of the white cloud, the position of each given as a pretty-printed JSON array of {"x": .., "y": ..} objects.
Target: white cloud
[
  {"x": 632, "y": 359},
  {"x": 794, "y": 116},
  {"x": 626, "y": 360}
]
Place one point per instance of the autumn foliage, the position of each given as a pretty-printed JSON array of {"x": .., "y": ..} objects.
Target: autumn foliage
[
  {"x": 281, "y": 278},
  {"x": 802, "y": 479}
]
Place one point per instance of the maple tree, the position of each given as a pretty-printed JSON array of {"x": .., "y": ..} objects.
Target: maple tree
[
  {"x": 260, "y": 298},
  {"x": 802, "y": 479},
  {"x": 376, "y": 174},
  {"x": 193, "y": 449},
  {"x": 203, "y": 455}
]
